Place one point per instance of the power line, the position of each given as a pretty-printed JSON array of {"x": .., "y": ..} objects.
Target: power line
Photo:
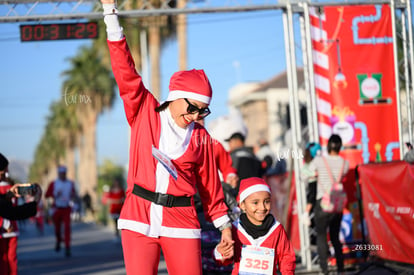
[{"x": 6, "y": 39}]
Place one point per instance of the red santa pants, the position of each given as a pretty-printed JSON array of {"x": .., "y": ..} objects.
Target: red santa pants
[
  {"x": 142, "y": 254},
  {"x": 62, "y": 215},
  {"x": 8, "y": 251}
]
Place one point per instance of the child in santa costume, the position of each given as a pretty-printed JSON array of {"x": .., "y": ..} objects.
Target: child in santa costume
[
  {"x": 167, "y": 164},
  {"x": 261, "y": 244}
]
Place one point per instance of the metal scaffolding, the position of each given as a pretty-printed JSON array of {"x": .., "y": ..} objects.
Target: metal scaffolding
[{"x": 44, "y": 10}]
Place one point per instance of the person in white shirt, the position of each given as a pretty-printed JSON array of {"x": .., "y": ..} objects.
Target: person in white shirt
[
  {"x": 62, "y": 191},
  {"x": 327, "y": 168}
]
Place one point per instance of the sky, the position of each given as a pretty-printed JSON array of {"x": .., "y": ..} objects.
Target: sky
[{"x": 231, "y": 48}]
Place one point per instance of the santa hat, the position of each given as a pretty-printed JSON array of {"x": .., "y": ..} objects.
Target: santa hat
[
  {"x": 191, "y": 84},
  {"x": 3, "y": 162},
  {"x": 251, "y": 185}
]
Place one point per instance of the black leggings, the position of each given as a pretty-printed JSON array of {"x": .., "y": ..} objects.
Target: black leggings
[{"x": 323, "y": 222}]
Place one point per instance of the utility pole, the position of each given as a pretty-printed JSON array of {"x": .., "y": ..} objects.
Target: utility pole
[{"x": 182, "y": 36}]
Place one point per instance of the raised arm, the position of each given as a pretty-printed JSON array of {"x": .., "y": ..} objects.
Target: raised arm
[{"x": 131, "y": 88}]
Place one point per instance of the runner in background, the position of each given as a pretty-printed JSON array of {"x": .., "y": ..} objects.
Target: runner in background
[
  {"x": 62, "y": 193},
  {"x": 114, "y": 198}
]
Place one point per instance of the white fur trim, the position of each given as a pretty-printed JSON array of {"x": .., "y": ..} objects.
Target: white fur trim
[
  {"x": 171, "y": 232},
  {"x": 10, "y": 234},
  {"x": 253, "y": 189},
  {"x": 259, "y": 241},
  {"x": 217, "y": 254},
  {"x": 6, "y": 224},
  {"x": 221, "y": 221},
  {"x": 176, "y": 94}
]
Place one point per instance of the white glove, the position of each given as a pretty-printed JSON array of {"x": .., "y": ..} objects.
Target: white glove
[
  {"x": 306, "y": 219},
  {"x": 6, "y": 224}
]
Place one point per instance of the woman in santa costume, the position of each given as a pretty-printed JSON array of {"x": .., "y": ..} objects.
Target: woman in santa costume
[
  {"x": 261, "y": 243},
  {"x": 169, "y": 160}
]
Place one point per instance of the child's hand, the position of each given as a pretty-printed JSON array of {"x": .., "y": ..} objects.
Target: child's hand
[{"x": 225, "y": 248}]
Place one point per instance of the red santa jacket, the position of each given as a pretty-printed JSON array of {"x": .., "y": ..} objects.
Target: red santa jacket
[
  {"x": 193, "y": 159},
  {"x": 115, "y": 200},
  {"x": 62, "y": 193},
  {"x": 12, "y": 229},
  {"x": 223, "y": 160},
  {"x": 276, "y": 239}
]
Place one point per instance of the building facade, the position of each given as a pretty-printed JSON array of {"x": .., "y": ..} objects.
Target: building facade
[{"x": 265, "y": 110}]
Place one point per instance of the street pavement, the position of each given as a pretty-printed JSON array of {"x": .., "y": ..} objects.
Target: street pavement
[{"x": 95, "y": 251}]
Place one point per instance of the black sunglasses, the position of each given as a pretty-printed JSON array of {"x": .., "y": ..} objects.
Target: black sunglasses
[{"x": 192, "y": 109}]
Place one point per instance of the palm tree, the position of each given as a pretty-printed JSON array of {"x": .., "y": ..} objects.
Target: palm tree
[
  {"x": 57, "y": 145},
  {"x": 46, "y": 153},
  {"x": 90, "y": 88},
  {"x": 182, "y": 36},
  {"x": 67, "y": 127},
  {"x": 160, "y": 30}
]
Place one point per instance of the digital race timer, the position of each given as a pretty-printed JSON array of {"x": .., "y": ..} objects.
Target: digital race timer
[{"x": 43, "y": 32}]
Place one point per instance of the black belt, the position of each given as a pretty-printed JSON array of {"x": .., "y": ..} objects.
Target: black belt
[{"x": 161, "y": 199}]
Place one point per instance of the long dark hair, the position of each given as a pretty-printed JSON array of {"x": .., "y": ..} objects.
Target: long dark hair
[
  {"x": 334, "y": 143},
  {"x": 162, "y": 107},
  {"x": 307, "y": 156}
]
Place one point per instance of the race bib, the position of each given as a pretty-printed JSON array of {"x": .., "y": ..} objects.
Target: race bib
[
  {"x": 165, "y": 161},
  {"x": 256, "y": 260}
]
